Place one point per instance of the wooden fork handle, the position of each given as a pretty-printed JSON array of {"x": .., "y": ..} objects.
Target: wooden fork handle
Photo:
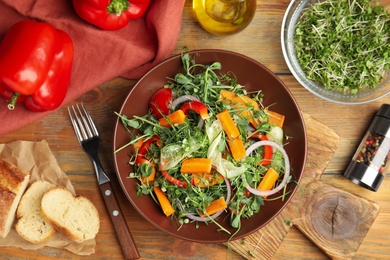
[{"x": 129, "y": 249}]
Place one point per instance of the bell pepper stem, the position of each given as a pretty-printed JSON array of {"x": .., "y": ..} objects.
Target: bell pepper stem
[
  {"x": 13, "y": 100},
  {"x": 117, "y": 7}
]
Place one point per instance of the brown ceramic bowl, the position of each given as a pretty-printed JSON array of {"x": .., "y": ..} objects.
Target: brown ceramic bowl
[{"x": 254, "y": 76}]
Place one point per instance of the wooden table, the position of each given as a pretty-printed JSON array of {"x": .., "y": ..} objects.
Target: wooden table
[{"x": 260, "y": 41}]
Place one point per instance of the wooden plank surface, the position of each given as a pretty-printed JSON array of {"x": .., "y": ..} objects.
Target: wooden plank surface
[
  {"x": 260, "y": 41},
  {"x": 335, "y": 220}
]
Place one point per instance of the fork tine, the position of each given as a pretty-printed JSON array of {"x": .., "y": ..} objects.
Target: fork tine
[
  {"x": 75, "y": 125},
  {"x": 80, "y": 125},
  {"x": 86, "y": 129},
  {"x": 82, "y": 122},
  {"x": 91, "y": 123}
]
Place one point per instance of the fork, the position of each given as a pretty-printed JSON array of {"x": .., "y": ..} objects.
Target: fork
[{"x": 88, "y": 137}]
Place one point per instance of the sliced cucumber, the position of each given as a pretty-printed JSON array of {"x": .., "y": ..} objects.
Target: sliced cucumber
[
  {"x": 276, "y": 134},
  {"x": 229, "y": 170},
  {"x": 170, "y": 156},
  {"x": 213, "y": 151},
  {"x": 277, "y": 162},
  {"x": 213, "y": 130}
]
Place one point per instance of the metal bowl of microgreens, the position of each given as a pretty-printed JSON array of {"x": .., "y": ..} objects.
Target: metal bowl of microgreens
[{"x": 339, "y": 50}]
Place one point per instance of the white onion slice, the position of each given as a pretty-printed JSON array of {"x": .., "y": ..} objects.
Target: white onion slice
[
  {"x": 250, "y": 128},
  {"x": 286, "y": 169},
  {"x": 215, "y": 215},
  {"x": 183, "y": 99},
  {"x": 203, "y": 219},
  {"x": 200, "y": 123}
]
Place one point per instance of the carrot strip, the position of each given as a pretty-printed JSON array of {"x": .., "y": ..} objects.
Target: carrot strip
[
  {"x": 226, "y": 95},
  {"x": 228, "y": 124},
  {"x": 275, "y": 118},
  {"x": 244, "y": 101},
  {"x": 196, "y": 165},
  {"x": 237, "y": 148},
  {"x": 268, "y": 180},
  {"x": 178, "y": 117},
  {"x": 255, "y": 122},
  {"x": 206, "y": 180},
  {"x": 164, "y": 202},
  {"x": 241, "y": 102},
  {"x": 215, "y": 206}
]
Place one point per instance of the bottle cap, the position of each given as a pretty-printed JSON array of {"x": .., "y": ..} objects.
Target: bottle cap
[
  {"x": 364, "y": 175},
  {"x": 381, "y": 122},
  {"x": 384, "y": 111}
]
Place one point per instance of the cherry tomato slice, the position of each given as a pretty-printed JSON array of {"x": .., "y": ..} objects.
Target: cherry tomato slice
[{"x": 159, "y": 103}]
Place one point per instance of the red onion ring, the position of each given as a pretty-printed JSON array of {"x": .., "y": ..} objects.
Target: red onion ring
[
  {"x": 183, "y": 99},
  {"x": 215, "y": 215},
  {"x": 286, "y": 169}
]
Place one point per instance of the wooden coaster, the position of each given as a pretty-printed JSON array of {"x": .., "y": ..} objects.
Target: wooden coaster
[{"x": 335, "y": 220}]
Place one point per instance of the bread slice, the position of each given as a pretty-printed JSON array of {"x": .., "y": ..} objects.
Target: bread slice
[
  {"x": 31, "y": 224},
  {"x": 13, "y": 183},
  {"x": 75, "y": 217}
]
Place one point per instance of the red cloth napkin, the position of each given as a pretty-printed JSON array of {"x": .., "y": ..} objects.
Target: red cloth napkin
[{"x": 99, "y": 55}]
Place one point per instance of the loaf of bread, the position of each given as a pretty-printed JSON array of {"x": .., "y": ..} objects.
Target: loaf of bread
[
  {"x": 75, "y": 217},
  {"x": 31, "y": 224},
  {"x": 13, "y": 183}
]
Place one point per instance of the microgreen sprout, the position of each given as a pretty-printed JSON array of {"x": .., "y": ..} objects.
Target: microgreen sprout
[
  {"x": 290, "y": 222},
  {"x": 344, "y": 45}
]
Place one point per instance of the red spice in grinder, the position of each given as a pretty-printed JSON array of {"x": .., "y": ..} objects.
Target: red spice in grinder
[{"x": 371, "y": 160}]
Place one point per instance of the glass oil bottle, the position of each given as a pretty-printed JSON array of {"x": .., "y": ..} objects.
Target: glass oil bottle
[{"x": 224, "y": 17}]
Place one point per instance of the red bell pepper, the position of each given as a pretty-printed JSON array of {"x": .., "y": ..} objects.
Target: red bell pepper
[
  {"x": 268, "y": 151},
  {"x": 144, "y": 148},
  {"x": 35, "y": 65},
  {"x": 110, "y": 14},
  {"x": 173, "y": 180},
  {"x": 197, "y": 107}
]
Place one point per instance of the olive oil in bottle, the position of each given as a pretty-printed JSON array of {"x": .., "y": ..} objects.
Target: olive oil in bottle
[{"x": 224, "y": 17}]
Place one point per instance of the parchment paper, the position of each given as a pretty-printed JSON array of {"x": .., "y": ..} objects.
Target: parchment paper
[{"x": 36, "y": 158}]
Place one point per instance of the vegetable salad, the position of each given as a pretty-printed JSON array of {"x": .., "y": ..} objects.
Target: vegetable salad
[{"x": 207, "y": 146}]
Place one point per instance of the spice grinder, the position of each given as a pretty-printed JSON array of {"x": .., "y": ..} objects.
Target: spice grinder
[{"x": 371, "y": 160}]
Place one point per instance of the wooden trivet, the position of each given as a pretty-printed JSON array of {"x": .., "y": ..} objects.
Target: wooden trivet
[{"x": 335, "y": 220}]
